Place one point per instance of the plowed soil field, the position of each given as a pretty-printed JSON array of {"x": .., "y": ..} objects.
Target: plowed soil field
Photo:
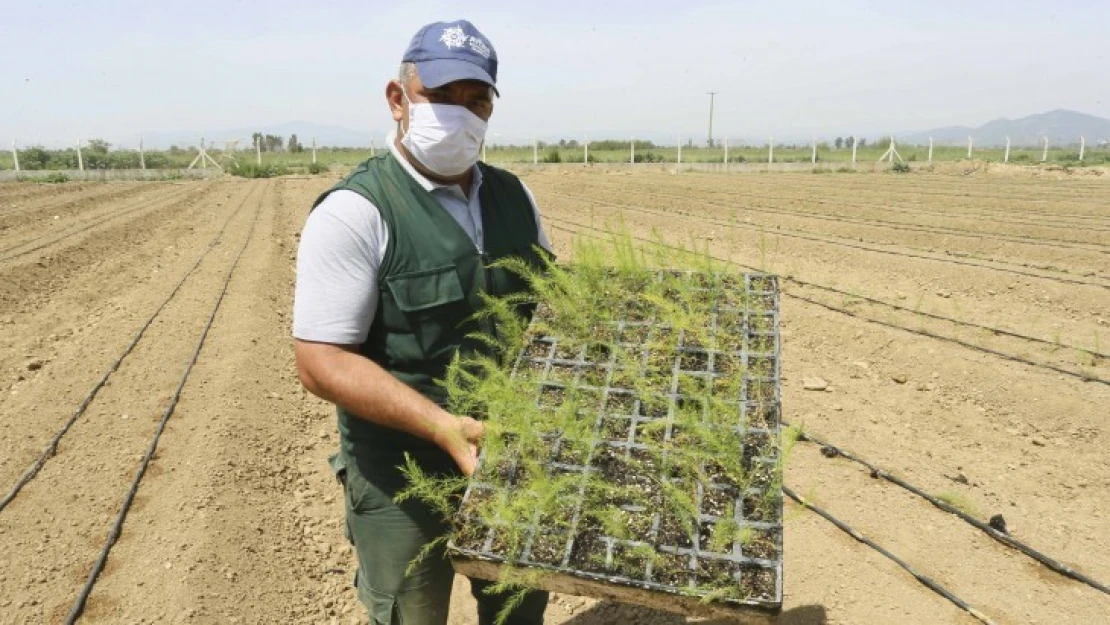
[{"x": 958, "y": 328}]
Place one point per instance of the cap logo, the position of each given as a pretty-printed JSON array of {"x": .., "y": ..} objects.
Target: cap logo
[
  {"x": 479, "y": 47},
  {"x": 454, "y": 37}
]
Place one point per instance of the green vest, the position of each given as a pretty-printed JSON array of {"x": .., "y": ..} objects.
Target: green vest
[{"x": 430, "y": 282}]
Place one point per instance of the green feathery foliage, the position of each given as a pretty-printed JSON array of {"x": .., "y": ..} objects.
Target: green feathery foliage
[{"x": 623, "y": 316}]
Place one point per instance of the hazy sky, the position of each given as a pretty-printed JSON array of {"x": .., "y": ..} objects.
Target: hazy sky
[{"x": 569, "y": 68}]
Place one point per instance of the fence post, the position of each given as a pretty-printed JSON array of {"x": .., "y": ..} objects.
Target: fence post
[
  {"x": 770, "y": 150},
  {"x": 632, "y": 151},
  {"x": 258, "y": 151},
  {"x": 814, "y": 159},
  {"x": 679, "y": 150},
  {"x": 969, "y": 147},
  {"x": 855, "y": 144},
  {"x": 1006, "y": 158},
  {"x": 314, "y": 150},
  {"x": 1082, "y": 147},
  {"x": 15, "y": 155},
  {"x": 586, "y": 150},
  {"x": 484, "y": 160},
  {"x": 930, "y": 150},
  {"x": 371, "y": 146},
  {"x": 535, "y": 151},
  {"x": 726, "y": 153},
  {"x": 80, "y": 161},
  {"x": 1044, "y": 155},
  {"x": 142, "y": 157}
]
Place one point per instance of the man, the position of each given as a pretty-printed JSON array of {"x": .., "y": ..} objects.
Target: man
[{"x": 392, "y": 264}]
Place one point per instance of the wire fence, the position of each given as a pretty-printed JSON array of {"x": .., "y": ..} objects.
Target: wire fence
[{"x": 97, "y": 155}]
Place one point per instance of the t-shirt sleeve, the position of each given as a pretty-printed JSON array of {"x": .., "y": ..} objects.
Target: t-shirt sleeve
[
  {"x": 545, "y": 243},
  {"x": 341, "y": 250}
]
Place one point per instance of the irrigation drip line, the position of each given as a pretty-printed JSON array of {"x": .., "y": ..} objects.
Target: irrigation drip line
[
  {"x": 831, "y": 451},
  {"x": 987, "y": 214},
  {"x": 939, "y": 337},
  {"x": 117, "y": 526},
  {"x": 111, "y": 216},
  {"x": 986, "y": 350},
  {"x": 795, "y": 235},
  {"x": 938, "y": 230},
  {"x": 932, "y": 585},
  {"x": 930, "y": 315},
  {"x": 52, "y": 446},
  {"x": 70, "y": 199}
]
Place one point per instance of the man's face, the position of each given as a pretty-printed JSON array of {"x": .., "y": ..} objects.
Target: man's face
[{"x": 475, "y": 95}]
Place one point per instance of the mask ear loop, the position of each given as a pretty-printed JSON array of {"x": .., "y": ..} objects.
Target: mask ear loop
[{"x": 405, "y": 131}]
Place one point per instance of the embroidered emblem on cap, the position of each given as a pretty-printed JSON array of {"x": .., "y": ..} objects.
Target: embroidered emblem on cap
[
  {"x": 454, "y": 37},
  {"x": 479, "y": 47}
]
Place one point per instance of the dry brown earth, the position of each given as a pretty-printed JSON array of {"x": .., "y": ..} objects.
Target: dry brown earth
[{"x": 238, "y": 520}]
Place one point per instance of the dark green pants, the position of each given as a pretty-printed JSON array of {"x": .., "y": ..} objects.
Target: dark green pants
[{"x": 387, "y": 538}]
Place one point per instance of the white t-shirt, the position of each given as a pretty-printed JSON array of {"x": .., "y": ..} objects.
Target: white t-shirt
[{"x": 341, "y": 249}]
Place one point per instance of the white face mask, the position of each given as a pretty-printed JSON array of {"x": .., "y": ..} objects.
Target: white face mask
[{"x": 445, "y": 138}]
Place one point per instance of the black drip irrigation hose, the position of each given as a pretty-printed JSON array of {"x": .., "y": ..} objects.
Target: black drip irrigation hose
[
  {"x": 72, "y": 233},
  {"x": 930, "y": 315},
  {"x": 1082, "y": 376},
  {"x": 932, "y": 585},
  {"x": 794, "y": 234},
  {"x": 117, "y": 526},
  {"x": 52, "y": 446},
  {"x": 940, "y": 337},
  {"x": 832, "y": 451}
]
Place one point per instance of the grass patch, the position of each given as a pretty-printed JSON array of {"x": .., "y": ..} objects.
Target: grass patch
[
  {"x": 253, "y": 170},
  {"x": 958, "y": 501}
]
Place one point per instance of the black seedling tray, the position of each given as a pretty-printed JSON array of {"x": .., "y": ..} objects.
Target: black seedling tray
[{"x": 630, "y": 448}]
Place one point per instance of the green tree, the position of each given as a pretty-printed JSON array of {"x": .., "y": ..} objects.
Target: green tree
[
  {"x": 839, "y": 143},
  {"x": 99, "y": 146}
]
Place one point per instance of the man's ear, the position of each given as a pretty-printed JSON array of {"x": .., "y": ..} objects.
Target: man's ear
[{"x": 395, "y": 97}]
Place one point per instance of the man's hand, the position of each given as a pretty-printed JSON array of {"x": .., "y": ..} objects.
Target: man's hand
[{"x": 459, "y": 438}]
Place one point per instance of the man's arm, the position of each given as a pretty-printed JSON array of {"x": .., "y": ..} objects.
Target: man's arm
[
  {"x": 341, "y": 250},
  {"x": 339, "y": 374}
]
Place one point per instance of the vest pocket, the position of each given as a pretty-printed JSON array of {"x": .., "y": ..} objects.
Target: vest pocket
[{"x": 431, "y": 305}]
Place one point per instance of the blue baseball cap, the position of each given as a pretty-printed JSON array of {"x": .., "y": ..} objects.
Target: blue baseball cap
[{"x": 448, "y": 51}]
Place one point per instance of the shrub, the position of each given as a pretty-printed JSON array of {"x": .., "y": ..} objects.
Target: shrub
[
  {"x": 900, "y": 168},
  {"x": 317, "y": 168},
  {"x": 251, "y": 170},
  {"x": 553, "y": 156},
  {"x": 54, "y": 177}
]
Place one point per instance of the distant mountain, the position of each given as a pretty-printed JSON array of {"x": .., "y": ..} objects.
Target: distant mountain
[
  {"x": 305, "y": 131},
  {"x": 1060, "y": 126}
]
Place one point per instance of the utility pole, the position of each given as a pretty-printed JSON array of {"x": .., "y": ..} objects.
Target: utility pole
[
  {"x": 80, "y": 162},
  {"x": 712, "y": 94}
]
